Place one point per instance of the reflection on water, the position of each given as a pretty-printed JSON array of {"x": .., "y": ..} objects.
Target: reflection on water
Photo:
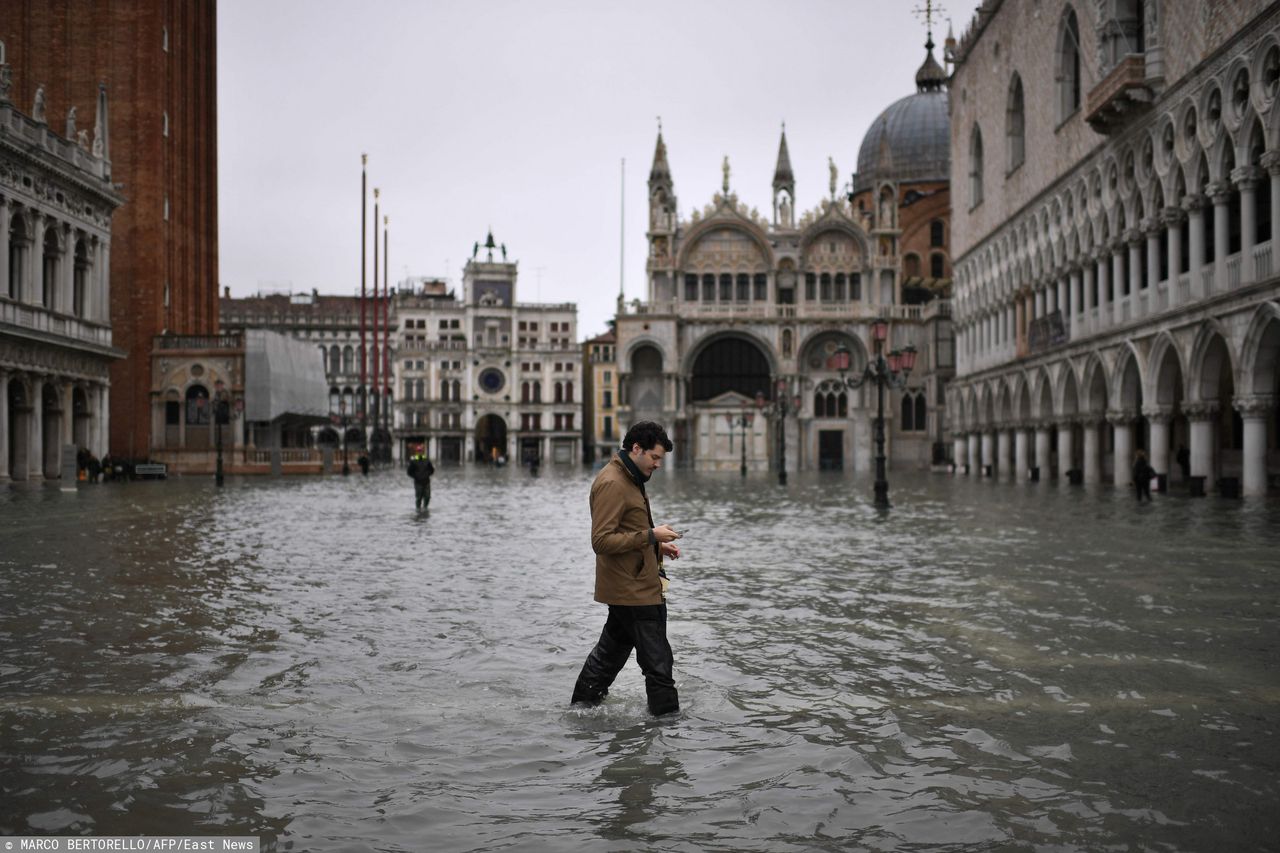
[{"x": 312, "y": 661}]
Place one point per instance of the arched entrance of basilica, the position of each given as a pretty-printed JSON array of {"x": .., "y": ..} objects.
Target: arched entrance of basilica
[
  {"x": 835, "y": 426},
  {"x": 725, "y": 428}
]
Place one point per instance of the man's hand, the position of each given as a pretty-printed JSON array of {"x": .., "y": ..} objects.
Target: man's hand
[
  {"x": 670, "y": 550},
  {"x": 663, "y": 533}
]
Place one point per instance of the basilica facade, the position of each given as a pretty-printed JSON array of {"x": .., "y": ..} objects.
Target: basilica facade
[{"x": 735, "y": 348}]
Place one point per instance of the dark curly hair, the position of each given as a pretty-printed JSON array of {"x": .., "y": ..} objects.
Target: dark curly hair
[{"x": 646, "y": 434}]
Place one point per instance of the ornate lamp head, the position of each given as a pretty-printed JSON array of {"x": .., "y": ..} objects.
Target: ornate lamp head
[
  {"x": 908, "y": 359},
  {"x": 880, "y": 329}
]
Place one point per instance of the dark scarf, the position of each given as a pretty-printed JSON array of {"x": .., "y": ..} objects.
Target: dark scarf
[{"x": 640, "y": 479}]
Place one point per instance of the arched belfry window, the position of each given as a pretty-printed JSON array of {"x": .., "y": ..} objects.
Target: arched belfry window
[
  {"x": 1068, "y": 76},
  {"x": 1016, "y": 124},
  {"x": 975, "y": 166}
]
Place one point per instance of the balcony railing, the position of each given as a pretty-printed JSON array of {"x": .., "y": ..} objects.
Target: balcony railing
[
  {"x": 37, "y": 318},
  {"x": 1119, "y": 95},
  {"x": 851, "y": 311},
  {"x": 174, "y": 342}
]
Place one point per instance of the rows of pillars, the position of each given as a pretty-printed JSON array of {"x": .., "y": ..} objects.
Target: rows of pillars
[{"x": 1019, "y": 450}]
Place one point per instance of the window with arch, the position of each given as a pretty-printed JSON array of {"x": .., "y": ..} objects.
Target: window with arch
[
  {"x": 444, "y": 389},
  {"x": 911, "y": 265},
  {"x": 197, "y": 406},
  {"x": 975, "y": 166},
  {"x": 1068, "y": 76},
  {"x": 913, "y": 413},
  {"x": 559, "y": 393},
  {"x": 420, "y": 390},
  {"x": 937, "y": 234},
  {"x": 568, "y": 392},
  {"x": 80, "y": 280},
  {"x": 525, "y": 392},
  {"x": 1016, "y": 124},
  {"x": 18, "y": 240},
  {"x": 456, "y": 389},
  {"x": 937, "y": 265},
  {"x": 537, "y": 392}
]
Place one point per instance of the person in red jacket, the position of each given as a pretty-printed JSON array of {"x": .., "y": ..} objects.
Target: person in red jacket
[{"x": 629, "y": 575}]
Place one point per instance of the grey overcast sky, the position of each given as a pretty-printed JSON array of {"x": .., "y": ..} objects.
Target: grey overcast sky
[{"x": 516, "y": 115}]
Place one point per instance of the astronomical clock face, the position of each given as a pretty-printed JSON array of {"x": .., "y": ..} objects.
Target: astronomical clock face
[{"x": 491, "y": 380}]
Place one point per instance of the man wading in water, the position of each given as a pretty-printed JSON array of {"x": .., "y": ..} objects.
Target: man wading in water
[{"x": 629, "y": 575}]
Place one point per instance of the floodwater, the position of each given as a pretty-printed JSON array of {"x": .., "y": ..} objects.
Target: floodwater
[{"x": 988, "y": 666}]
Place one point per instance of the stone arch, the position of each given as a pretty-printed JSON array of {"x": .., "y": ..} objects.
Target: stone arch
[
  {"x": 644, "y": 383},
  {"x": 1043, "y": 395},
  {"x": 1129, "y": 381},
  {"x": 728, "y": 244},
  {"x": 1206, "y": 363},
  {"x": 1022, "y": 399},
  {"x": 817, "y": 346},
  {"x": 1095, "y": 386},
  {"x": 730, "y": 361},
  {"x": 1165, "y": 373},
  {"x": 1068, "y": 393},
  {"x": 985, "y": 411},
  {"x": 1260, "y": 352},
  {"x": 1004, "y": 404}
]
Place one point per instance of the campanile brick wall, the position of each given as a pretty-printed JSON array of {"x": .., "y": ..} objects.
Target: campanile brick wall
[{"x": 156, "y": 57}]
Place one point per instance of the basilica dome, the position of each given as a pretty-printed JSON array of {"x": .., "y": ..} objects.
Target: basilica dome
[{"x": 911, "y": 139}]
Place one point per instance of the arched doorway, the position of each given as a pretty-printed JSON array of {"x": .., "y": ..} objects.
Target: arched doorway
[
  {"x": 834, "y": 436},
  {"x": 196, "y": 434},
  {"x": 1218, "y": 433},
  {"x": 491, "y": 439},
  {"x": 19, "y": 427},
  {"x": 644, "y": 385},
  {"x": 727, "y": 375}
]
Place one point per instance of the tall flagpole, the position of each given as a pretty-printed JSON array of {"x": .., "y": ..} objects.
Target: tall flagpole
[
  {"x": 386, "y": 326},
  {"x": 622, "y": 250},
  {"x": 376, "y": 357},
  {"x": 364, "y": 228}
]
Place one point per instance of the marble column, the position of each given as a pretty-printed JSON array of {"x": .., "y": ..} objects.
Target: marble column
[
  {"x": 988, "y": 453},
  {"x": 1004, "y": 447},
  {"x": 104, "y": 283},
  {"x": 957, "y": 451},
  {"x": 66, "y": 397},
  {"x": 1271, "y": 160},
  {"x": 1122, "y": 458},
  {"x": 67, "y": 271},
  {"x": 1021, "y": 468},
  {"x": 1118, "y": 283},
  {"x": 1255, "y": 411},
  {"x": 1203, "y": 418},
  {"x": 1221, "y": 194},
  {"x": 974, "y": 461},
  {"x": 1043, "y": 460},
  {"x": 1246, "y": 179},
  {"x": 1092, "y": 451},
  {"x": 35, "y": 444},
  {"x": 1074, "y": 302},
  {"x": 5, "y": 217},
  {"x": 5, "y": 438},
  {"x": 1158, "y": 418},
  {"x": 1194, "y": 205},
  {"x": 1152, "y": 232},
  {"x": 1172, "y": 218},
  {"x": 1088, "y": 294},
  {"x": 33, "y": 269},
  {"x": 1066, "y": 460}
]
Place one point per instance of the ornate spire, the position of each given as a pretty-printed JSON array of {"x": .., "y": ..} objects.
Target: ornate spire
[
  {"x": 783, "y": 178},
  {"x": 661, "y": 172},
  {"x": 931, "y": 77}
]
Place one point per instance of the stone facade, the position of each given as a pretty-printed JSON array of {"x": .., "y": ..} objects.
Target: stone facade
[
  {"x": 600, "y": 433},
  {"x": 487, "y": 378},
  {"x": 158, "y": 59},
  {"x": 56, "y": 351},
  {"x": 746, "y": 312},
  {"x": 1115, "y": 285}
]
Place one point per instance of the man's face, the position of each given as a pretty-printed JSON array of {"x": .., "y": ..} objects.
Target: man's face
[{"x": 647, "y": 461}]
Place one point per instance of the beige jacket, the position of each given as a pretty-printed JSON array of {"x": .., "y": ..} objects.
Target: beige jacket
[{"x": 627, "y": 558}]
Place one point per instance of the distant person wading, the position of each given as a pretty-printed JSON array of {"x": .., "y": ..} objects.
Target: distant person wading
[{"x": 421, "y": 469}]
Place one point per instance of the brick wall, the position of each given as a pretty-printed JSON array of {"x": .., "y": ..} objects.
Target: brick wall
[{"x": 69, "y": 46}]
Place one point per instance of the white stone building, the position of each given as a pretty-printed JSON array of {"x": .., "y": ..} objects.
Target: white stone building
[
  {"x": 56, "y": 203},
  {"x": 1114, "y": 219},
  {"x": 485, "y": 377},
  {"x": 743, "y": 306}
]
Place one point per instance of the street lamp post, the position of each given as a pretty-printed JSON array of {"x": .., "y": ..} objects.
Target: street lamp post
[
  {"x": 893, "y": 372},
  {"x": 221, "y": 415},
  {"x": 744, "y": 420},
  {"x": 782, "y": 407}
]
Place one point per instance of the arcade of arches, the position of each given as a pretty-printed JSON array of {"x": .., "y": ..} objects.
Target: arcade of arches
[{"x": 1200, "y": 401}]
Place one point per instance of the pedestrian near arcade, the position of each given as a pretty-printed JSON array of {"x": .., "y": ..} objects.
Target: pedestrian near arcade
[
  {"x": 629, "y": 575},
  {"x": 421, "y": 469},
  {"x": 1142, "y": 474}
]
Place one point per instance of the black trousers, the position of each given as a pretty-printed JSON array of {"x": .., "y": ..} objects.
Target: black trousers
[
  {"x": 643, "y": 628},
  {"x": 421, "y": 493}
]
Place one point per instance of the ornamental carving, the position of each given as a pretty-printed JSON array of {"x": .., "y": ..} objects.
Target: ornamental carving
[
  {"x": 833, "y": 251},
  {"x": 726, "y": 249}
]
